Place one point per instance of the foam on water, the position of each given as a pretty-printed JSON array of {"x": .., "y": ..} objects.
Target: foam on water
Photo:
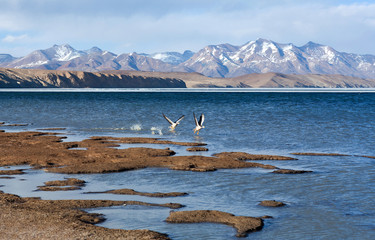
[
  {"x": 136, "y": 127},
  {"x": 156, "y": 131}
]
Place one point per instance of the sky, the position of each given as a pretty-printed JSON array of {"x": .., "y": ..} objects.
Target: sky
[{"x": 149, "y": 26}]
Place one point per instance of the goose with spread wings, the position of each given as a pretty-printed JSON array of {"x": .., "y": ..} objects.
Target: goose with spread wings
[
  {"x": 173, "y": 124},
  {"x": 198, "y": 124}
]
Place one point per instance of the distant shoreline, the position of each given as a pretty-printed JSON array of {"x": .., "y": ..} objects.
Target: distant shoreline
[
  {"x": 37, "y": 78},
  {"x": 218, "y": 90}
]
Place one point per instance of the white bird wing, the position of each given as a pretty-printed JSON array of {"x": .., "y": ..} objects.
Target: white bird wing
[
  {"x": 201, "y": 120},
  {"x": 196, "y": 121},
  {"x": 178, "y": 120},
  {"x": 169, "y": 120}
]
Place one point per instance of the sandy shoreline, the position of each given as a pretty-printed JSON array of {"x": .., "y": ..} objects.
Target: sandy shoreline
[{"x": 25, "y": 218}]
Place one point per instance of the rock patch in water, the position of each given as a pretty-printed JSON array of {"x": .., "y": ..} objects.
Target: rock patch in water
[
  {"x": 46, "y": 150},
  {"x": 11, "y": 172},
  {"x": 63, "y": 185},
  {"x": 197, "y": 149},
  {"x": 127, "y": 191},
  {"x": 16, "y": 125},
  {"x": 246, "y": 156},
  {"x": 243, "y": 224},
  {"x": 6, "y": 177},
  {"x": 22, "y": 218},
  {"x": 271, "y": 203}
]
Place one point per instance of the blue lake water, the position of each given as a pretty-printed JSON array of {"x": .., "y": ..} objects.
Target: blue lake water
[{"x": 336, "y": 201}]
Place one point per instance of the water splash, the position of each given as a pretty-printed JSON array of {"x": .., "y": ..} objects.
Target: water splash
[
  {"x": 136, "y": 127},
  {"x": 120, "y": 128},
  {"x": 156, "y": 130}
]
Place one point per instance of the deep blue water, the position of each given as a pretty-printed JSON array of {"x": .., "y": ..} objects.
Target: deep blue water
[{"x": 336, "y": 201}]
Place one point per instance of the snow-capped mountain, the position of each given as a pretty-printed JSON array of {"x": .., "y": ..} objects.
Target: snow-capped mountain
[
  {"x": 262, "y": 56},
  {"x": 50, "y": 58},
  {"x": 174, "y": 58},
  {"x": 223, "y": 60}
]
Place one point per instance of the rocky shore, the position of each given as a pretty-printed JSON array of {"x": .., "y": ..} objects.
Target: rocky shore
[{"x": 25, "y": 218}]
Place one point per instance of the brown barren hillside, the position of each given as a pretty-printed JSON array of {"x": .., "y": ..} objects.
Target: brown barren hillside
[{"x": 32, "y": 78}]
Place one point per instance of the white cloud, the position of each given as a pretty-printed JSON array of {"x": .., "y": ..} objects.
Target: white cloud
[
  {"x": 11, "y": 38},
  {"x": 169, "y": 25}
]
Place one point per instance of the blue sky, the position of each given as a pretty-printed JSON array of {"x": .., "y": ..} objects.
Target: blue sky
[{"x": 122, "y": 26}]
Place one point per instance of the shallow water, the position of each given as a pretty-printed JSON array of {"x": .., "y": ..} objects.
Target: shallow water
[{"x": 336, "y": 201}]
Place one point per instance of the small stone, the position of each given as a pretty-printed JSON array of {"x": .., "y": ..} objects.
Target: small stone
[{"x": 271, "y": 203}]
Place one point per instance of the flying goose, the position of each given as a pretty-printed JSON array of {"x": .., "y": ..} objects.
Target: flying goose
[
  {"x": 198, "y": 125},
  {"x": 173, "y": 124}
]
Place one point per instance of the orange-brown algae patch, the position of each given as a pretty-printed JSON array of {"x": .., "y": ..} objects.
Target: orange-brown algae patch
[
  {"x": 243, "y": 224},
  {"x": 127, "y": 191},
  {"x": 247, "y": 156},
  {"x": 25, "y": 218}
]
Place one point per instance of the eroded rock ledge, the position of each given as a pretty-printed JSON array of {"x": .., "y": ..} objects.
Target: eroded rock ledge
[
  {"x": 243, "y": 224},
  {"x": 127, "y": 191},
  {"x": 63, "y": 185},
  {"x": 33, "y": 218},
  {"x": 12, "y": 172},
  {"x": 246, "y": 156}
]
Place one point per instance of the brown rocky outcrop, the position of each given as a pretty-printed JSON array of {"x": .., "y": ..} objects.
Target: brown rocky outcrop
[
  {"x": 33, "y": 218},
  {"x": 271, "y": 203},
  {"x": 243, "y": 224}
]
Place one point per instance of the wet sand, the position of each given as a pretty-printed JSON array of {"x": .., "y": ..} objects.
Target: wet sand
[{"x": 32, "y": 217}]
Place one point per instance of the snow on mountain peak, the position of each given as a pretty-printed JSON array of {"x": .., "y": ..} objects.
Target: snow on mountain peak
[
  {"x": 65, "y": 52},
  {"x": 222, "y": 60}
]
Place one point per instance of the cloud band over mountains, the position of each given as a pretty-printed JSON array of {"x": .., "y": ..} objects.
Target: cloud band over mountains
[{"x": 168, "y": 25}]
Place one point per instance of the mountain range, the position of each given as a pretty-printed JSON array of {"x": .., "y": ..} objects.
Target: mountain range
[{"x": 218, "y": 61}]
